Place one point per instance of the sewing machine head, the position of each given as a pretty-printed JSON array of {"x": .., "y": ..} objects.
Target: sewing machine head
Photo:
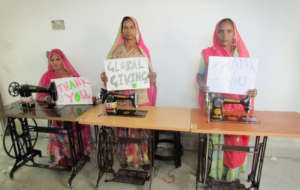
[
  {"x": 215, "y": 105},
  {"x": 113, "y": 99},
  {"x": 25, "y": 91}
]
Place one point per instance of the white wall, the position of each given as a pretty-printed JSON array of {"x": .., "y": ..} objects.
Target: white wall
[{"x": 174, "y": 31}]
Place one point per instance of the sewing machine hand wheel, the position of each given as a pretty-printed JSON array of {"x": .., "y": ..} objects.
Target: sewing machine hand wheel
[{"x": 13, "y": 89}]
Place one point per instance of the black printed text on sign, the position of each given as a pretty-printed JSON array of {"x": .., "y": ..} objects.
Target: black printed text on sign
[
  {"x": 231, "y": 75},
  {"x": 127, "y": 73}
]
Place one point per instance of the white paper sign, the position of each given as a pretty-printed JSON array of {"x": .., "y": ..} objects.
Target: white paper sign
[
  {"x": 127, "y": 73},
  {"x": 73, "y": 90},
  {"x": 231, "y": 75}
]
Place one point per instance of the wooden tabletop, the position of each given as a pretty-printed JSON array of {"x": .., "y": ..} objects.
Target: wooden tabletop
[
  {"x": 271, "y": 123},
  {"x": 157, "y": 118},
  {"x": 42, "y": 111}
]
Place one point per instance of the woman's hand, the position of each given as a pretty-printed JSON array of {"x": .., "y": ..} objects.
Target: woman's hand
[
  {"x": 152, "y": 76},
  {"x": 49, "y": 100},
  {"x": 252, "y": 93},
  {"x": 202, "y": 86},
  {"x": 104, "y": 78},
  {"x": 94, "y": 98}
]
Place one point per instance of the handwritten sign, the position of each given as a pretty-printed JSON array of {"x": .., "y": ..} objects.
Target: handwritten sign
[
  {"x": 232, "y": 75},
  {"x": 127, "y": 73},
  {"x": 74, "y": 90}
]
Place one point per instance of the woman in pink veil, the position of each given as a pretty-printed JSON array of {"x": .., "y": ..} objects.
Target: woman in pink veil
[
  {"x": 227, "y": 42},
  {"x": 129, "y": 43},
  {"x": 58, "y": 146}
]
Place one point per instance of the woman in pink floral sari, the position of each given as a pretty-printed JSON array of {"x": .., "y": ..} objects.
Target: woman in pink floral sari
[
  {"x": 227, "y": 43},
  {"x": 129, "y": 43},
  {"x": 58, "y": 146}
]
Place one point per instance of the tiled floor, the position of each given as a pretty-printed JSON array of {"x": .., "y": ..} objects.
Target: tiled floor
[{"x": 280, "y": 172}]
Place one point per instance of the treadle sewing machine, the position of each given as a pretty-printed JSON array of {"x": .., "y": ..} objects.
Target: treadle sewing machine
[
  {"x": 214, "y": 106},
  {"x": 26, "y": 90},
  {"x": 215, "y": 112},
  {"x": 113, "y": 101},
  {"x": 22, "y": 130}
]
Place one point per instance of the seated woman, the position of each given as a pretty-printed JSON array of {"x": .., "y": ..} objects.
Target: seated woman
[
  {"x": 226, "y": 42},
  {"x": 58, "y": 146},
  {"x": 129, "y": 43}
]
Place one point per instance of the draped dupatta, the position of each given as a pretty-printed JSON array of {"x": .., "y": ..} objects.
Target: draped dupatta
[
  {"x": 152, "y": 91},
  {"x": 50, "y": 74},
  {"x": 232, "y": 159}
]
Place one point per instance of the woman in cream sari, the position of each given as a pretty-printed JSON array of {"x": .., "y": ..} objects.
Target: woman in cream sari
[{"x": 129, "y": 43}]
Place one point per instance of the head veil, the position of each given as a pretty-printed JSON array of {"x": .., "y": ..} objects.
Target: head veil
[
  {"x": 140, "y": 43},
  {"x": 232, "y": 159},
  {"x": 50, "y": 74}
]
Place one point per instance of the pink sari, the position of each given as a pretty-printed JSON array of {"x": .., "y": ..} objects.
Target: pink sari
[
  {"x": 152, "y": 91},
  {"x": 58, "y": 146},
  {"x": 132, "y": 154},
  {"x": 232, "y": 159}
]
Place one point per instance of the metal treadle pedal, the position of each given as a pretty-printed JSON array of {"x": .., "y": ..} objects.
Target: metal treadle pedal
[
  {"x": 131, "y": 177},
  {"x": 224, "y": 185}
]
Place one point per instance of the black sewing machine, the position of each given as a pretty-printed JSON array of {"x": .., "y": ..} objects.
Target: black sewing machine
[
  {"x": 113, "y": 100},
  {"x": 214, "y": 106},
  {"x": 25, "y": 91}
]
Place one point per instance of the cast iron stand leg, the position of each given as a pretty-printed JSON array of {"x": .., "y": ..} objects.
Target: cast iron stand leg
[
  {"x": 198, "y": 161},
  {"x": 68, "y": 126},
  {"x": 104, "y": 152},
  {"x": 261, "y": 161},
  {"x": 178, "y": 148},
  {"x": 13, "y": 133},
  {"x": 76, "y": 149},
  {"x": 201, "y": 166},
  {"x": 96, "y": 130},
  {"x": 152, "y": 148},
  {"x": 26, "y": 137},
  {"x": 100, "y": 155},
  {"x": 22, "y": 145},
  {"x": 257, "y": 164},
  {"x": 80, "y": 149},
  {"x": 251, "y": 176}
]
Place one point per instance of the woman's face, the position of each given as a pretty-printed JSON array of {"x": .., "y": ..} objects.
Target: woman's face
[
  {"x": 56, "y": 62},
  {"x": 225, "y": 34},
  {"x": 129, "y": 30}
]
